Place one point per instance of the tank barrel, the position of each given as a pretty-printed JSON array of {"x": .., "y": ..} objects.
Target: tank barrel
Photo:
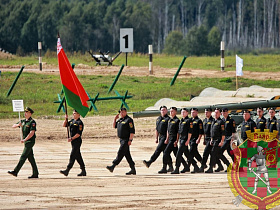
[{"x": 230, "y": 106}]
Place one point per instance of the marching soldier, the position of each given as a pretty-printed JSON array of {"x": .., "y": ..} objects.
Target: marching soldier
[
  {"x": 217, "y": 140},
  {"x": 161, "y": 134},
  {"x": 194, "y": 136},
  {"x": 126, "y": 130},
  {"x": 207, "y": 122},
  {"x": 171, "y": 141},
  {"x": 247, "y": 124},
  {"x": 76, "y": 128},
  {"x": 260, "y": 121},
  {"x": 184, "y": 126},
  {"x": 28, "y": 126},
  {"x": 230, "y": 131},
  {"x": 271, "y": 122}
]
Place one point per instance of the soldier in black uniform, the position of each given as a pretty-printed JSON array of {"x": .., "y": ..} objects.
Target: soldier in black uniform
[
  {"x": 76, "y": 129},
  {"x": 217, "y": 140},
  {"x": 194, "y": 136},
  {"x": 28, "y": 126},
  {"x": 171, "y": 141},
  {"x": 230, "y": 130},
  {"x": 184, "y": 126},
  {"x": 161, "y": 133},
  {"x": 260, "y": 121},
  {"x": 207, "y": 138},
  {"x": 126, "y": 130},
  {"x": 271, "y": 122},
  {"x": 247, "y": 124}
]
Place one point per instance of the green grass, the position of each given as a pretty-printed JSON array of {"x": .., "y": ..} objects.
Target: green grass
[
  {"x": 259, "y": 63},
  {"x": 39, "y": 91}
]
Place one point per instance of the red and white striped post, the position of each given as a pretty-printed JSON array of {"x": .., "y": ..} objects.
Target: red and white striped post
[
  {"x": 151, "y": 59},
  {"x": 40, "y": 54},
  {"x": 222, "y": 56}
]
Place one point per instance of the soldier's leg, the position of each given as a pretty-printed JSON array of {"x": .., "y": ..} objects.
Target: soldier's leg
[
  {"x": 193, "y": 147},
  {"x": 166, "y": 157},
  {"x": 129, "y": 158},
  {"x": 213, "y": 158},
  {"x": 79, "y": 159},
  {"x": 121, "y": 153},
  {"x": 32, "y": 161},
  {"x": 194, "y": 151},
  {"x": 23, "y": 158},
  {"x": 73, "y": 154},
  {"x": 160, "y": 148},
  {"x": 206, "y": 153}
]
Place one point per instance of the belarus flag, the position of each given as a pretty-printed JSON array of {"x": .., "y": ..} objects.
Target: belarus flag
[{"x": 75, "y": 94}]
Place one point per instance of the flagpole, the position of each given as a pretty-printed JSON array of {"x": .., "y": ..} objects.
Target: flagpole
[
  {"x": 67, "y": 120},
  {"x": 236, "y": 83}
]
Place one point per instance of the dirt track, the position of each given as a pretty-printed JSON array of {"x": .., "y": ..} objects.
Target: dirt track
[
  {"x": 143, "y": 71},
  {"x": 101, "y": 189}
]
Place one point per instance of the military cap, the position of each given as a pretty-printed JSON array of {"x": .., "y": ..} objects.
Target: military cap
[
  {"x": 272, "y": 108},
  {"x": 122, "y": 109},
  {"x": 218, "y": 109},
  {"x": 260, "y": 108},
  {"x": 162, "y": 107},
  {"x": 185, "y": 109},
  {"x": 28, "y": 109},
  {"x": 174, "y": 108},
  {"x": 208, "y": 110},
  {"x": 194, "y": 109},
  {"x": 225, "y": 109},
  {"x": 246, "y": 111}
]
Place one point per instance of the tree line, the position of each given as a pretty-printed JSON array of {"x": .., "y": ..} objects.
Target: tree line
[{"x": 192, "y": 27}]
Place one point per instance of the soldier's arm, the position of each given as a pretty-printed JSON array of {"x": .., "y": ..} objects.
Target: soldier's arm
[
  {"x": 74, "y": 137},
  {"x": 16, "y": 125},
  {"x": 115, "y": 121},
  {"x": 198, "y": 140},
  {"x": 29, "y": 136},
  {"x": 189, "y": 138},
  {"x": 65, "y": 123},
  {"x": 156, "y": 136}
]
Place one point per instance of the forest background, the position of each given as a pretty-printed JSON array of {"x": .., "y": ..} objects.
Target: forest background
[{"x": 181, "y": 27}]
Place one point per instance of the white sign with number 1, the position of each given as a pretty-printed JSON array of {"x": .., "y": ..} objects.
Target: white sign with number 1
[{"x": 126, "y": 40}]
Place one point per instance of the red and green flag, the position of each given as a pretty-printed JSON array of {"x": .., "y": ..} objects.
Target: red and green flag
[{"x": 74, "y": 92}]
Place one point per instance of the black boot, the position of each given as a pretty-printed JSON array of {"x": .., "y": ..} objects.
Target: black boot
[
  {"x": 132, "y": 171},
  {"x": 111, "y": 168},
  {"x": 83, "y": 172},
  {"x": 13, "y": 173},
  {"x": 186, "y": 168},
  {"x": 33, "y": 177},
  {"x": 176, "y": 171},
  {"x": 195, "y": 170},
  {"x": 170, "y": 169},
  {"x": 210, "y": 170},
  {"x": 163, "y": 170},
  {"x": 65, "y": 172},
  {"x": 201, "y": 169},
  {"x": 220, "y": 168},
  {"x": 147, "y": 163}
]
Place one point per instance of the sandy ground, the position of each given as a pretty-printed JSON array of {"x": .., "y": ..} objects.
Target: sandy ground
[
  {"x": 101, "y": 189},
  {"x": 82, "y": 69}
]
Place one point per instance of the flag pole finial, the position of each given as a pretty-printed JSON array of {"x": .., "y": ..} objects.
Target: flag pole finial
[{"x": 58, "y": 35}]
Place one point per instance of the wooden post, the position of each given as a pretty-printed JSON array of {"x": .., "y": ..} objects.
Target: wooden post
[
  {"x": 222, "y": 56},
  {"x": 40, "y": 54},
  {"x": 151, "y": 59}
]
